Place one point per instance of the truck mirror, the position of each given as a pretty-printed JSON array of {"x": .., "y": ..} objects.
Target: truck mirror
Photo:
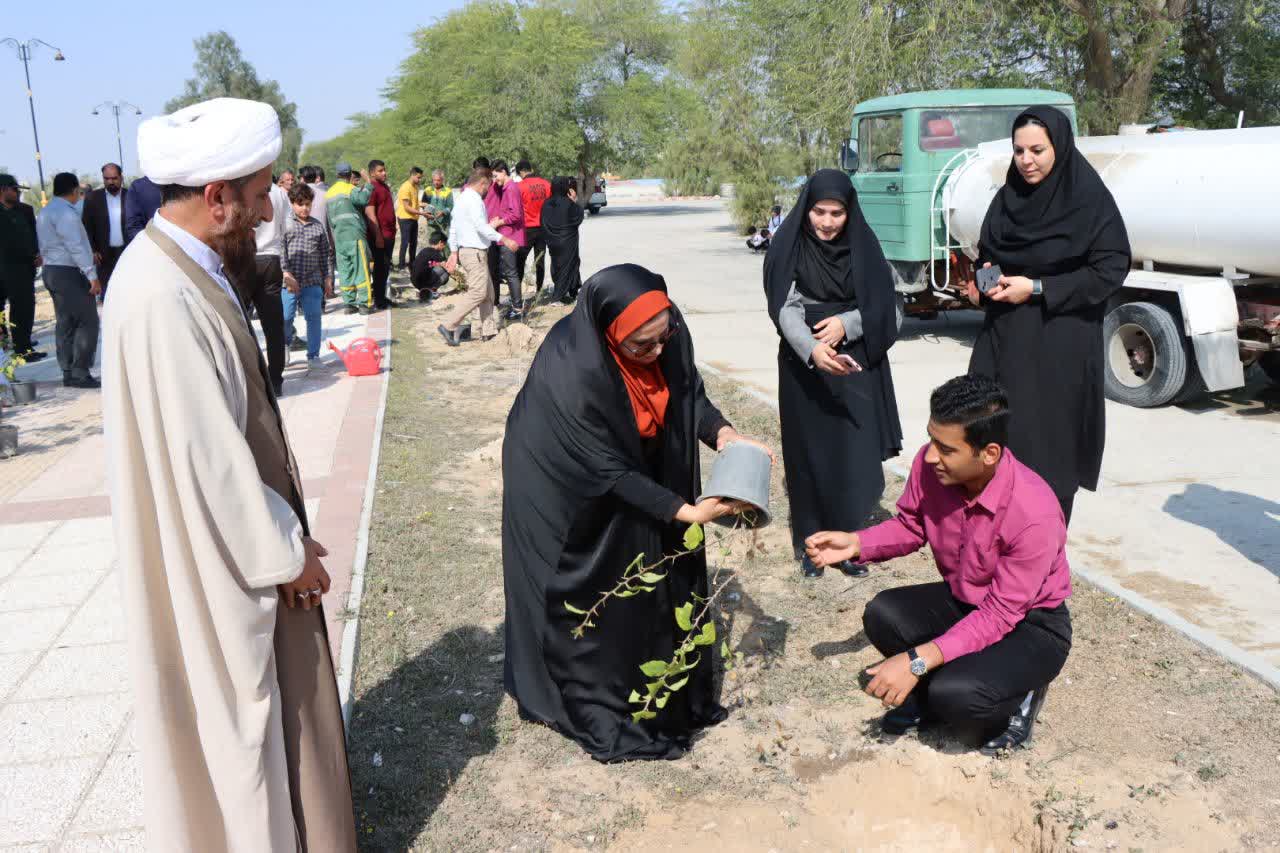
[{"x": 849, "y": 155}]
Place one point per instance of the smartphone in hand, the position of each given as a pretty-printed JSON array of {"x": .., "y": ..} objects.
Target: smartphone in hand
[
  {"x": 847, "y": 361},
  {"x": 988, "y": 277}
]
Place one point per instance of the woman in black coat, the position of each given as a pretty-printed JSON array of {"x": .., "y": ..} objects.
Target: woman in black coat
[
  {"x": 600, "y": 463},
  {"x": 832, "y": 298},
  {"x": 561, "y": 219},
  {"x": 1060, "y": 242}
]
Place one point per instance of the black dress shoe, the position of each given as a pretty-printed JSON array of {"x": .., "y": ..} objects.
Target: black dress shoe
[
  {"x": 450, "y": 338},
  {"x": 907, "y": 716},
  {"x": 351, "y": 309},
  {"x": 852, "y": 569},
  {"x": 278, "y": 388},
  {"x": 1021, "y": 723},
  {"x": 808, "y": 569},
  {"x": 31, "y": 356},
  {"x": 81, "y": 382}
]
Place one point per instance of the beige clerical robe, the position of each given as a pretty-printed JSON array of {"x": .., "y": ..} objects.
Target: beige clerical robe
[{"x": 237, "y": 709}]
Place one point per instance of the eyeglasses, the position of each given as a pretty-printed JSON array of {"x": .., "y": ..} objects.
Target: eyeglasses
[{"x": 649, "y": 346}]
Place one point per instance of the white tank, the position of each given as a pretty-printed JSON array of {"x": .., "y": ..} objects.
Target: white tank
[{"x": 1208, "y": 199}]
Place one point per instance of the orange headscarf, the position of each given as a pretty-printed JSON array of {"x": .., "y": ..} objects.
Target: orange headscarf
[{"x": 646, "y": 385}]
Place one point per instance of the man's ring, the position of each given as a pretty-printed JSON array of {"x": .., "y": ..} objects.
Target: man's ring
[
  {"x": 314, "y": 591},
  {"x": 301, "y": 596}
]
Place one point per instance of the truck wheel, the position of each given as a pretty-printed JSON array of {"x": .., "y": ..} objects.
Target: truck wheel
[
  {"x": 1270, "y": 364},
  {"x": 1146, "y": 356}
]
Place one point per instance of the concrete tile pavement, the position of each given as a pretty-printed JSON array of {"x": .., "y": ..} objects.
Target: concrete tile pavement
[{"x": 69, "y": 769}]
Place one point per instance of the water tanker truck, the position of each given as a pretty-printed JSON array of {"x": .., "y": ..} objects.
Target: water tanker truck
[{"x": 1203, "y": 298}]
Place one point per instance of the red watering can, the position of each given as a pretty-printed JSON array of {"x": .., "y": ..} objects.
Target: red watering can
[{"x": 362, "y": 358}]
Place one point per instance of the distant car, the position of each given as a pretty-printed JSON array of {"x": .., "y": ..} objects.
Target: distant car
[{"x": 598, "y": 199}]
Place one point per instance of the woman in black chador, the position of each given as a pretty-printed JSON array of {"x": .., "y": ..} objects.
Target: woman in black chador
[
  {"x": 600, "y": 463},
  {"x": 561, "y": 218},
  {"x": 1056, "y": 234},
  {"x": 832, "y": 298}
]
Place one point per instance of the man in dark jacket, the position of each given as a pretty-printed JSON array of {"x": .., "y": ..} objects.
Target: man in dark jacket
[
  {"x": 19, "y": 256},
  {"x": 104, "y": 214},
  {"x": 140, "y": 205}
]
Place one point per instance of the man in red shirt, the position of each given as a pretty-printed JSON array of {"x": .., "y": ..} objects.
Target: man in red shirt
[
  {"x": 534, "y": 190},
  {"x": 381, "y": 213},
  {"x": 981, "y": 646}
]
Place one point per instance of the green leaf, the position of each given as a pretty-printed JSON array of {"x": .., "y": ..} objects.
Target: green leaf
[
  {"x": 684, "y": 616},
  {"x": 652, "y": 577},
  {"x": 648, "y": 588},
  {"x": 643, "y": 715},
  {"x": 708, "y": 633},
  {"x": 693, "y": 537},
  {"x": 635, "y": 564},
  {"x": 687, "y": 666},
  {"x": 653, "y": 668},
  {"x": 572, "y": 609},
  {"x": 653, "y": 687},
  {"x": 662, "y": 700},
  {"x": 626, "y": 593},
  {"x": 635, "y": 697},
  {"x": 724, "y": 649},
  {"x": 674, "y": 686}
]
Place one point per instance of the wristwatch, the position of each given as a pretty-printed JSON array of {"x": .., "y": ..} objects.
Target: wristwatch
[
  {"x": 1037, "y": 287},
  {"x": 918, "y": 665}
]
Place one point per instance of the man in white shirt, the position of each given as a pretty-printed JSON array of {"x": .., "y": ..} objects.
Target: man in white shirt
[
  {"x": 104, "y": 221},
  {"x": 470, "y": 236},
  {"x": 261, "y": 288}
]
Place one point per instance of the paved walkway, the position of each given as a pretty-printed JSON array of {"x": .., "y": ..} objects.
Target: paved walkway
[
  {"x": 1188, "y": 512},
  {"x": 69, "y": 774}
]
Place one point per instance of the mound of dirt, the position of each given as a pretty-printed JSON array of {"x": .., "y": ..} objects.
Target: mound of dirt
[{"x": 516, "y": 339}]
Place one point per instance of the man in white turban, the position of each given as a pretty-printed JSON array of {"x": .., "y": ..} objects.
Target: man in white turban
[{"x": 236, "y": 703}]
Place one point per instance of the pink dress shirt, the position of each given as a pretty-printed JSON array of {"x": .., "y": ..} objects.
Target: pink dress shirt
[
  {"x": 508, "y": 204},
  {"x": 1003, "y": 551}
]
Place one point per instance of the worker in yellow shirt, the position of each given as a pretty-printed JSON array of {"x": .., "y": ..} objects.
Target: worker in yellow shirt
[{"x": 407, "y": 213}]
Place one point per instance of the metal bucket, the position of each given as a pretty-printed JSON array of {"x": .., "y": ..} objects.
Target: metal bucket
[
  {"x": 8, "y": 441},
  {"x": 741, "y": 472},
  {"x": 23, "y": 392}
]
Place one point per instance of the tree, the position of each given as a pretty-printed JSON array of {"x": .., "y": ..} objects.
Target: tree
[
  {"x": 1229, "y": 63},
  {"x": 221, "y": 71}
]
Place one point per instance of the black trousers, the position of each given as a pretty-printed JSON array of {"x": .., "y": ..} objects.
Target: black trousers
[
  {"x": 76, "y": 310},
  {"x": 504, "y": 266},
  {"x": 263, "y": 293},
  {"x": 536, "y": 244},
  {"x": 381, "y": 272},
  {"x": 110, "y": 257},
  {"x": 408, "y": 239},
  {"x": 18, "y": 289},
  {"x": 985, "y": 687}
]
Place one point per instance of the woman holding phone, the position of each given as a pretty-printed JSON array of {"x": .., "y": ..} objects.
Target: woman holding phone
[
  {"x": 831, "y": 297},
  {"x": 1062, "y": 250}
]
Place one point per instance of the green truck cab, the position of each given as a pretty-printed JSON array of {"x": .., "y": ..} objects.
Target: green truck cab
[{"x": 899, "y": 148}]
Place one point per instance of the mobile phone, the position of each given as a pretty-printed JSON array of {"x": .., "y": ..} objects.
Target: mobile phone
[
  {"x": 847, "y": 361},
  {"x": 988, "y": 277}
]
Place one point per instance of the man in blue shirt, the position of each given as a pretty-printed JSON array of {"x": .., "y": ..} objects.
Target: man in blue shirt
[{"x": 72, "y": 281}]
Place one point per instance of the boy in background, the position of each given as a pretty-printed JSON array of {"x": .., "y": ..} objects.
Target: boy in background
[{"x": 308, "y": 267}]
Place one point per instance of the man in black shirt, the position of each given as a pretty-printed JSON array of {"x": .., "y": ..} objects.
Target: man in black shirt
[
  {"x": 19, "y": 256},
  {"x": 427, "y": 272}
]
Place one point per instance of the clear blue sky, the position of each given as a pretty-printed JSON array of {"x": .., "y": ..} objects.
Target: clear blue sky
[{"x": 141, "y": 51}]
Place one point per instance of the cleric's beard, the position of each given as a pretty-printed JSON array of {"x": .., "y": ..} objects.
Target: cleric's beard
[{"x": 234, "y": 242}]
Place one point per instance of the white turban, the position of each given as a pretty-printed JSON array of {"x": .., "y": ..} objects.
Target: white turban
[{"x": 217, "y": 140}]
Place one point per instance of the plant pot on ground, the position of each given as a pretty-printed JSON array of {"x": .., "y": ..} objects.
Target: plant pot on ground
[{"x": 23, "y": 392}]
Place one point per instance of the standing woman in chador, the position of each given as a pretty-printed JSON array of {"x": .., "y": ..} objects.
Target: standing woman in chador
[{"x": 831, "y": 296}]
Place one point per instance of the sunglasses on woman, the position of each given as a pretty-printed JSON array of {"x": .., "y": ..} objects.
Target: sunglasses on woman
[{"x": 646, "y": 348}]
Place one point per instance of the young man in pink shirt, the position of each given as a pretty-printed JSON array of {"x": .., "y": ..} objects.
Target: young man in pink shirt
[{"x": 980, "y": 646}]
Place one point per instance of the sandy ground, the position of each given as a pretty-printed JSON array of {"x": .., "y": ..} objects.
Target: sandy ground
[{"x": 1146, "y": 743}]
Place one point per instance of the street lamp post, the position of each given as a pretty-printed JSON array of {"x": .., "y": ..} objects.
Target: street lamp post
[
  {"x": 115, "y": 110},
  {"x": 24, "y": 50}
]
